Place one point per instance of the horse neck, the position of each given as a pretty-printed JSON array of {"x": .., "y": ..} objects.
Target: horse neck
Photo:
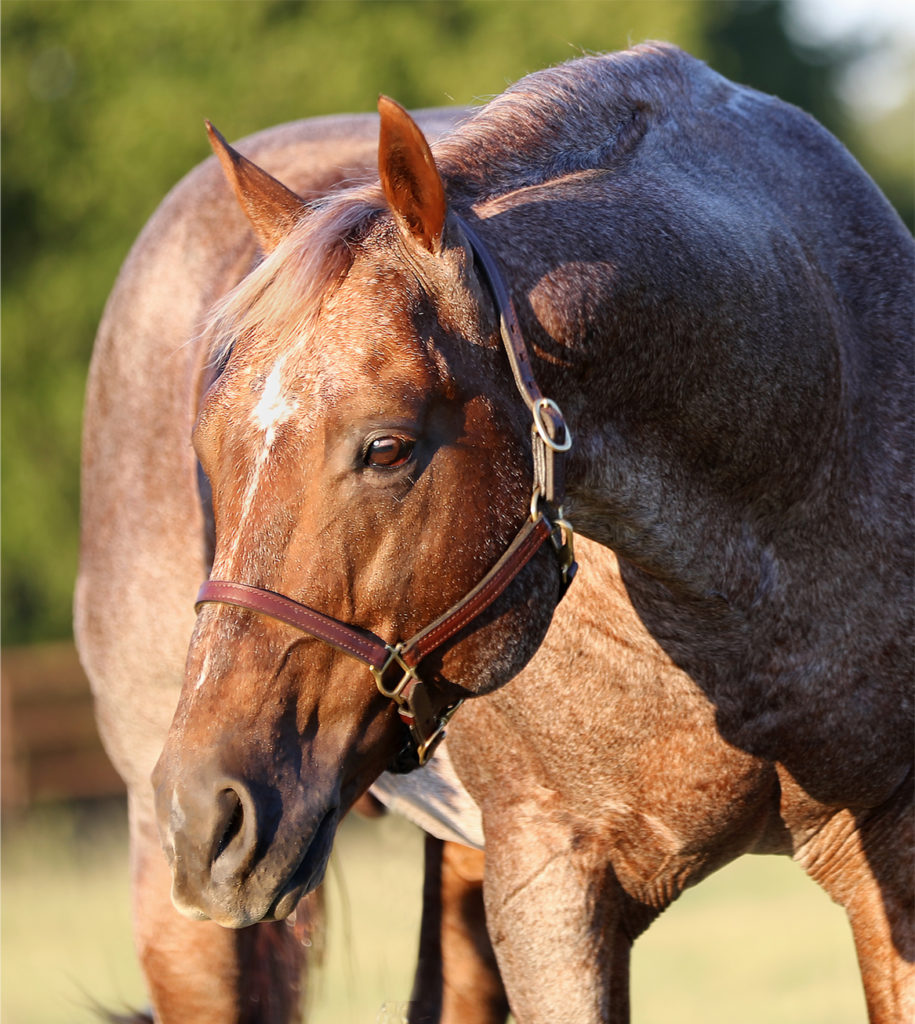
[
  {"x": 693, "y": 484},
  {"x": 737, "y": 505},
  {"x": 712, "y": 377},
  {"x": 713, "y": 341}
]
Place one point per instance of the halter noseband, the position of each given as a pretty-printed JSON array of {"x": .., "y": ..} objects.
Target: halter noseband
[{"x": 398, "y": 664}]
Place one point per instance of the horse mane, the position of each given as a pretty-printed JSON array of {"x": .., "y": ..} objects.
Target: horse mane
[
  {"x": 538, "y": 130},
  {"x": 584, "y": 114}
]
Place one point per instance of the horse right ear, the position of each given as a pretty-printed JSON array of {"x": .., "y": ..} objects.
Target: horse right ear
[
  {"x": 272, "y": 209},
  {"x": 409, "y": 178}
]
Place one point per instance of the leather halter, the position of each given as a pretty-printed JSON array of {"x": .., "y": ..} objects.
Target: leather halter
[{"x": 395, "y": 667}]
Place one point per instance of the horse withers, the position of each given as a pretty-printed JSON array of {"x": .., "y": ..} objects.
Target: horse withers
[{"x": 719, "y": 300}]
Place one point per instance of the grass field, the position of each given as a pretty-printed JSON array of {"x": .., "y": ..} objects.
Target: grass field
[{"x": 756, "y": 944}]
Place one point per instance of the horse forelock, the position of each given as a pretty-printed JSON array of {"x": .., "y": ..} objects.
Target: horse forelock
[{"x": 278, "y": 303}]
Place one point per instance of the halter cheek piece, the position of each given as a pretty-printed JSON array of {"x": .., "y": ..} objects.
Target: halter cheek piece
[{"x": 395, "y": 667}]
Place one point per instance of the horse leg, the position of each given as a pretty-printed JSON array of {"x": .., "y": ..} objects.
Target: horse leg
[
  {"x": 201, "y": 973},
  {"x": 864, "y": 862},
  {"x": 457, "y": 978},
  {"x": 552, "y": 893}
]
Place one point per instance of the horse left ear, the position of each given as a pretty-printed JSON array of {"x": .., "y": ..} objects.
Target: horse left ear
[
  {"x": 272, "y": 209},
  {"x": 410, "y": 180}
]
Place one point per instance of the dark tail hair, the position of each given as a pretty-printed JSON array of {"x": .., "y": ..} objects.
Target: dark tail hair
[
  {"x": 275, "y": 958},
  {"x": 274, "y": 961}
]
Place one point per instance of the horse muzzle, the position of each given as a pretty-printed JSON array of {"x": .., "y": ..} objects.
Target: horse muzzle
[{"x": 240, "y": 852}]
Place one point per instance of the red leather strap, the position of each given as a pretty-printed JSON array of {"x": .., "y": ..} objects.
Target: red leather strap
[
  {"x": 510, "y": 328},
  {"x": 550, "y": 438},
  {"x": 522, "y": 549},
  {"x": 360, "y": 644},
  {"x": 363, "y": 644}
]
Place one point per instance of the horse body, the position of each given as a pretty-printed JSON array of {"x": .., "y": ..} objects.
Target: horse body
[
  {"x": 721, "y": 390},
  {"x": 652, "y": 803},
  {"x": 605, "y": 791},
  {"x": 721, "y": 302}
]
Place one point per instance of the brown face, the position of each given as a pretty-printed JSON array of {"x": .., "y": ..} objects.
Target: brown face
[{"x": 372, "y": 473}]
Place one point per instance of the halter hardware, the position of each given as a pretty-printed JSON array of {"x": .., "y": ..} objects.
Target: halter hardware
[
  {"x": 563, "y": 539},
  {"x": 427, "y": 729},
  {"x": 550, "y": 438},
  {"x": 409, "y": 672},
  {"x": 537, "y": 411}
]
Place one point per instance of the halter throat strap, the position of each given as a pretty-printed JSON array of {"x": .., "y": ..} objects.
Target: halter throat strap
[
  {"x": 395, "y": 666},
  {"x": 550, "y": 436}
]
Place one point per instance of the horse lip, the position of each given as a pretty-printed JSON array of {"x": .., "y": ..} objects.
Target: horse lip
[
  {"x": 309, "y": 871},
  {"x": 240, "y": 912},
  {"x": 188, "y": 910}
]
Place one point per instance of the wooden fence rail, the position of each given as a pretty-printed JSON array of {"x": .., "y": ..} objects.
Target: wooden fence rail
[{"x": 50, "y": 747}]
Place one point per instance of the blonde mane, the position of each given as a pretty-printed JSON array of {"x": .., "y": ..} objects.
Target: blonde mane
[
  {"x": 538, "y": 130},
  {"x": 280, "y": 300}
]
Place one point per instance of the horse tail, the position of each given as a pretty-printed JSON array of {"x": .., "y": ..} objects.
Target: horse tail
[{"x": 275, "y": 960}]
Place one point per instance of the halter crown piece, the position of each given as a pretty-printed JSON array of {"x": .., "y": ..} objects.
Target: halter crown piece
[{"x": 395, "y": 667}]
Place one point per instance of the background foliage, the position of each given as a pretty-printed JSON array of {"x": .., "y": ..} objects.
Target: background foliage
[{"x": 102, "y": 110}]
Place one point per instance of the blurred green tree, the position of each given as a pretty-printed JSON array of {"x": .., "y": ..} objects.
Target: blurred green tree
[{"x": 102, "y": 110}]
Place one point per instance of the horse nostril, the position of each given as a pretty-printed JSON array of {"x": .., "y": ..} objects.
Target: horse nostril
[
  {"x": 230, "y": 802},
  {"x": 234, "y": 836}
]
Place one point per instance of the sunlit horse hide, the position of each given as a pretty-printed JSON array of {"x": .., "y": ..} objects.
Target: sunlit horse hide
[
  {"x": 721, "y": 302},
  {"x": 625, "y": 795},
  {"x": 146, "y": 540}
]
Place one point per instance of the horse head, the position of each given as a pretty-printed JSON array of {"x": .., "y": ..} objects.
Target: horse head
[{"x": 369, "y": 458}]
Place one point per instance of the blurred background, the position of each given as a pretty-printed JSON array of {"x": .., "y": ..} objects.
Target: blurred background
[{"x": 102, "y": 111}]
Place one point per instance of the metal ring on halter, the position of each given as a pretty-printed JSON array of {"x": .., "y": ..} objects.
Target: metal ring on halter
[{"x": 540, "y": 426}]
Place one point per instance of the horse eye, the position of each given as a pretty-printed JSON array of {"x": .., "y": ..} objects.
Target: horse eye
[{"x": 388, "y": 452}]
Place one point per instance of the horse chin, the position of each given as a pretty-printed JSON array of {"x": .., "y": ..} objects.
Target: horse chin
[
  {"x": 310, "y": 872},
  {"x": 270, "y": 895}
]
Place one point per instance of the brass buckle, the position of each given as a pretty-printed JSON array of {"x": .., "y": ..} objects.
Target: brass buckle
[
  {"x": 426, "y": 747},
  {"x": 395, "y": 656},
  {"x": 563, "y": 537},
  {"x": 426, "y": 729}
]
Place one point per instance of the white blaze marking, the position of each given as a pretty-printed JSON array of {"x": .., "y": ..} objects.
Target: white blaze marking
[
  {"x": 204, "y": 670},
  {"x": 274, "y": 407},
  {"x": 272, "y": 410}
]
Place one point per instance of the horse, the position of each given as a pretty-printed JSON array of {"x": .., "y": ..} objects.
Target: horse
[
  {"x": 721, "y": 299},
  {"x": 146, "y": 543}
]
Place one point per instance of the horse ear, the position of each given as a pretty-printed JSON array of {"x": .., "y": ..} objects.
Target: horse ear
[
  {"x": 272, "y": 209},
  {"x": 409, "y": 178}
]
